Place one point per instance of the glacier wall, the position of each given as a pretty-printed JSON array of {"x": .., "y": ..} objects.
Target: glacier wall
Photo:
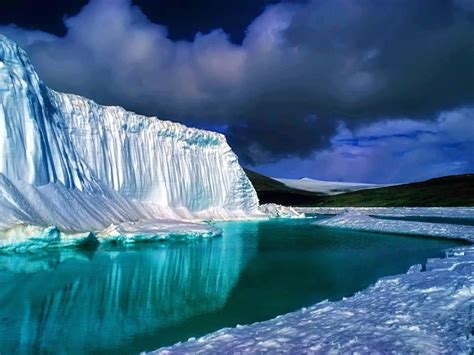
[
  {"x": 152, "y": 160},
  {"x": 61, "y": 154}
]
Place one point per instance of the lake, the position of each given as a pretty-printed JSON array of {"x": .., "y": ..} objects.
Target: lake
[{"x": 132, "y": 299}]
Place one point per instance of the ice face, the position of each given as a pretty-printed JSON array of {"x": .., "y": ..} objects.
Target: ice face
[
  {"x": 152, "y": 160},
  {"x": 60, "y": 154}
]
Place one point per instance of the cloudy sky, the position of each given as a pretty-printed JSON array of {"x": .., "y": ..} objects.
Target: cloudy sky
[{"x": 350, "y": 90}]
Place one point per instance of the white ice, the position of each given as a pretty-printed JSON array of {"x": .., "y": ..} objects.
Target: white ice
[
  {"x": 272, "y": 210},
  {"x": 447, "y": 212},
  {"x": 357, "y": 220}
]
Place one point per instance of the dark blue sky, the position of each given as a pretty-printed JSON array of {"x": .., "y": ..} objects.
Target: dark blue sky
[
  {"x": 353, "y": 90},
  {"x": 183, "y": 18}
]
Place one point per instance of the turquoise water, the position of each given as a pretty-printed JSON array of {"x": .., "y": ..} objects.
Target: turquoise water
[{"x": 126, "y": 300}]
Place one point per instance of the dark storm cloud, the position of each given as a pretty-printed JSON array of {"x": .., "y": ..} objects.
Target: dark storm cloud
[
  {"x": 300, "y": 71},
  {"x": 385, "y": 57}
]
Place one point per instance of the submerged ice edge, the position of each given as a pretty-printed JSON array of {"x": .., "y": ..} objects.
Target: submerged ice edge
[
  {"x": 421, "y": 311},
  {"x": 28, "y": 238}
]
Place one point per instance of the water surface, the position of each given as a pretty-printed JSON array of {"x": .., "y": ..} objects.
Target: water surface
[{"x": 126, "y": 300}]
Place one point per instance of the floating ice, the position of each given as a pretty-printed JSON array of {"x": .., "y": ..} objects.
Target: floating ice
[{"x": 278, "y": 211}]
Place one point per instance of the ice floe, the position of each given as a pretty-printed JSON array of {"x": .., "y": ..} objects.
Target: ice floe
[{"x": 273, "y": 210}]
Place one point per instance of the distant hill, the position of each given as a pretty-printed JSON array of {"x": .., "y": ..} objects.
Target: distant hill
[
  {"x": 272, "y": 191},
  {"x": 454, "y": 190}
]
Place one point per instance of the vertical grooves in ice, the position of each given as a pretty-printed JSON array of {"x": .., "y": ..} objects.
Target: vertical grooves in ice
[{"x": 48, "y": 137}]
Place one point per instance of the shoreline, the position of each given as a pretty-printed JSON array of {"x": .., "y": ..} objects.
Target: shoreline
[{"x": 424, "y": 310}]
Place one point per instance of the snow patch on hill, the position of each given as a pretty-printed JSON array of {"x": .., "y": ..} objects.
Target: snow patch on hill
[{"x": 326, "y": 187}]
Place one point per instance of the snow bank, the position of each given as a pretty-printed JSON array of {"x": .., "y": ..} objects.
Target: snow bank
[
  {"x": 69, "y": 162},
  {"x": 447, "y": 212},
  {"x": 360, "y": 221}
]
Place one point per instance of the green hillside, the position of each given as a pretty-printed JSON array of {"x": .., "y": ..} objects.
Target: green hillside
[
  {"x": 447, "y": 191},
  {"x": 455, "y": 190}
]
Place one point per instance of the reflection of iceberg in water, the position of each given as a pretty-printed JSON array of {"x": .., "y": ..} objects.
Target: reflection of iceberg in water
[
  {"x": 81, "y": 301},
  {"x": 41, "y": 260}
]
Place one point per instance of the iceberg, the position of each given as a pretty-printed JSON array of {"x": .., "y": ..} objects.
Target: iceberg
[{"x": 68, "y": 162}]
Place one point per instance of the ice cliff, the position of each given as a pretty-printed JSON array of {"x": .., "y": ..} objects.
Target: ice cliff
[{"x": 69, "y": 162}]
